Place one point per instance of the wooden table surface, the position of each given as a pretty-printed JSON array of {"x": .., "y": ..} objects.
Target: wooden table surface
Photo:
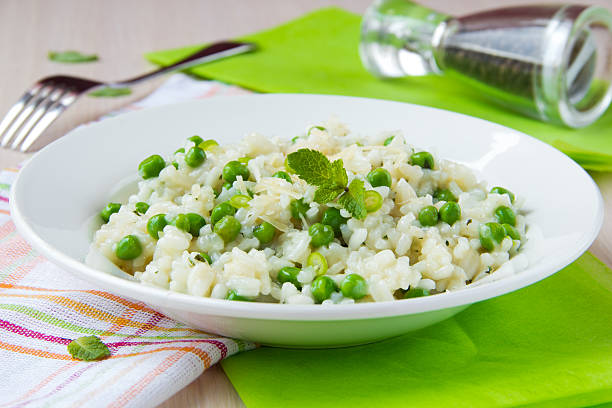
[{"x": 120, "y": 32}]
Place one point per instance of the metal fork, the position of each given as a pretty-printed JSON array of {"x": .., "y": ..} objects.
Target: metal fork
[{"x": 49, "y": 97}]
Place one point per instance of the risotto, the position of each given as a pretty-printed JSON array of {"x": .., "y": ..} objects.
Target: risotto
[{"x": 328, "y": 217}]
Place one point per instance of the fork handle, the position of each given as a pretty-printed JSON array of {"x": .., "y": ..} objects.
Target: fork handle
[{"x": 210, "y": 53}]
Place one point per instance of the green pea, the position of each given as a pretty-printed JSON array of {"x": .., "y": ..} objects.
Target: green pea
[
  {"x": 317, "y": 262},
  {"x": 109, "y": 210},
  {"x": 498, "y": 231},
  {"x": 284, "y": 175},
  {"x": 264, "y": 232},
  {"x": 196, "y": 139},
  {"x": 373, "y": 201},
  {"x": 181, "y": 221},
  {"x": 415, "y": 292},
  {"x": 428, "y": 216},
  {"x": 208, "y": 144},
  {"x": 511, "y": 232},
  {"x": 156, "y": 224},
  {"x": 450, "y": 212},
  {"x": 332, "y": 217},
  {"x": 501, "y": 190},
  {"x": 322, "y": 287},
  {"x": 151, "y": 166},
  {"x": 422, "y": 159},
  {"x": 505, "y": 215},
  {"x": 227, "y": 185},
  {"x": 354, "y": 286},
  {"x": 298, "y": 208},
  {"x": 141, "y": 207},
  {"x": 388, "y": 140},
  {"x": 240, "y": 201},
  {"x": 444, "y": 195},
  {"x": 289, "y": 274},
  {"x": 128, "y": 248},
  {"x": 203, "y": 257},
  {"x": 234, "y": 169},
  {"x": 180, "y": 150},
  {"x": 491, "y": 233},
  {"x": 195, "y": 157},
  {"x": 228, "y": 228},
  {"x": 196, "y": 222},
  {"x": 379, "y": 177},
  {"x": 220, "y": 211},
  {"x": 233, "y": 295},
  {"x": 320, "y": 234}
]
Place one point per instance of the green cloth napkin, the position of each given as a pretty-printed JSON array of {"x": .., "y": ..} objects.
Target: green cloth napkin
[
  {"x": 317, "y": 53},
  {"x": 548, "y": 345}
]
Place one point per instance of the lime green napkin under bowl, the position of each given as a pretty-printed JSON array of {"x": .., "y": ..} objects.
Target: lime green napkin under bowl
[
  {"x": 318, "y": 53},
  {"x": 547, "y": 345}
]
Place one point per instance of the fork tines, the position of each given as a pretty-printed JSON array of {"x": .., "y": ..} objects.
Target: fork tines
[{"x": 34, "y": 112}]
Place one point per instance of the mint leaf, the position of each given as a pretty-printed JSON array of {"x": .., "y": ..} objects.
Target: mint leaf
[
  {"x": 354, "y": 199},
  {"x": 311, "y": 166},
  {"x": 330, "y": 178},
  {"x": 339, "y": 177},
  {"x": 71, "y": 57},
  {"x": 327, "y": 193},
  {"x": 88, "y": 348},
  {"x": 110, "y": 92}
]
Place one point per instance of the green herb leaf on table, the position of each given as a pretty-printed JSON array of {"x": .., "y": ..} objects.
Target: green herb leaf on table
[
  {"x": 110, "y": 92},
  {"x": 88, "y": 348},
  {"x": 330, "y": 178},
  {"x": 71, "y": 57},
  {"x": 354, "y": 199}
]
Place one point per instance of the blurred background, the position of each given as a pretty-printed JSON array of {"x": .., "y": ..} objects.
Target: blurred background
[{"x": 120, "y": 32}]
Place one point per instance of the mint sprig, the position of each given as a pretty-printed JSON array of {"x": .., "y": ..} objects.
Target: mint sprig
[
  {"x": 88, "y": 348},
  {"x": 354, "y": 199},
  {"x": 331, "y": 179}
]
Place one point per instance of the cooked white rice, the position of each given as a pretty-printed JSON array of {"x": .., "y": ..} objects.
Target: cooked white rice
[{"x": 389, "y": 248}]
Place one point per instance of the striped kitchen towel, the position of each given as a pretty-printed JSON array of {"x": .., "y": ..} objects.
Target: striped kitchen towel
[{"x": 43, "y": 308}]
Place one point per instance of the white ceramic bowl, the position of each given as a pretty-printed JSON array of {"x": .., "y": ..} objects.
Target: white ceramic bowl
[{"x": 67, "y": 183}]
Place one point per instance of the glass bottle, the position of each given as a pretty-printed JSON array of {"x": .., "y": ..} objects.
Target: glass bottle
[{"x": 553, "y": 63}]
